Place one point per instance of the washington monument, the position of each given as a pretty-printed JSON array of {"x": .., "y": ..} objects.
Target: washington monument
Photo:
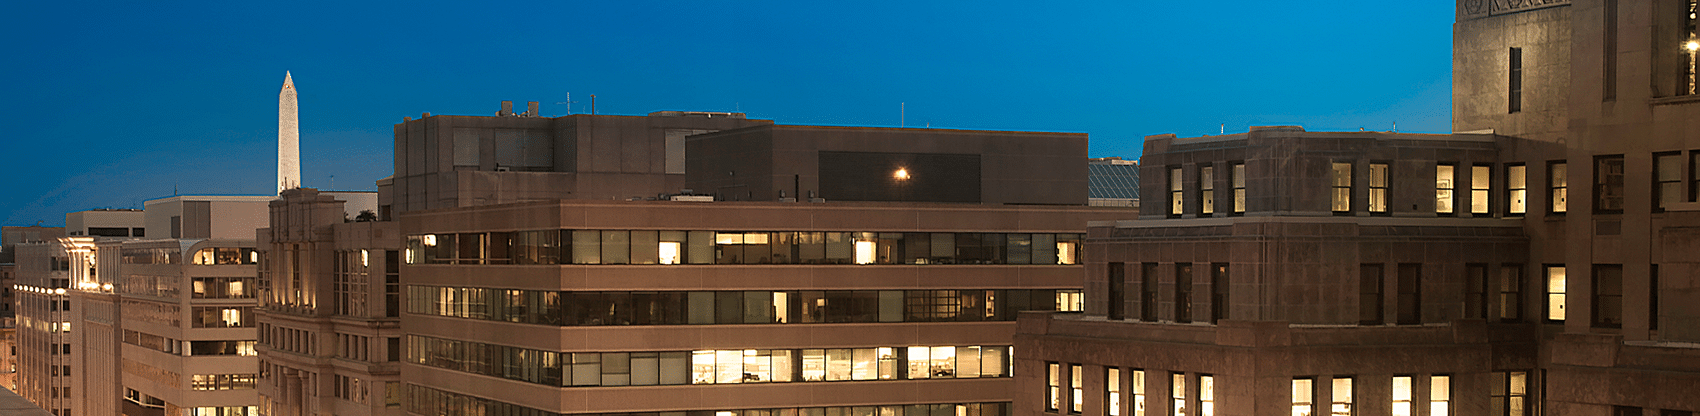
[{"x": 288, "y": 138}]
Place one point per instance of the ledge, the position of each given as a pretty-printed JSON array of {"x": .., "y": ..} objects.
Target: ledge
[{"x": 1675, "y": 100}]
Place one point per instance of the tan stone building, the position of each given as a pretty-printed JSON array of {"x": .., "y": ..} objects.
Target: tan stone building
[{"x": 1538, "y": 262}]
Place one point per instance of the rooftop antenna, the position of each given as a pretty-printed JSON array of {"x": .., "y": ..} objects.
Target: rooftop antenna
[
  {"x": 902, "y": 114},
  {"x": 1224, "y": 129},
  {"x": 569, "y": 102},
  {"x": 1395, "y": 126},
  {"x": 593, "y": 104},
  {"x": 333, "y": 183}
]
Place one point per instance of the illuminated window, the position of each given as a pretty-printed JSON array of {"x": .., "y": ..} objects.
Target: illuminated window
[
  {"x": 1304, "y": 392},
  {"x": 1053, "y": 386},
  {"x": 1509, "y": 394},
  {"x": 1206, "y": 395},
  {"x": 1480, "y": 179},
  {"x": 1175, "y": 192},
  {"x": 1075, "y": 394},
  {"x": 1178, "y": 392},
  {"x": 1690, "y": 47},
  {"x": 1440, "y": 395},
  {"x": 1516, "y": 190},
  {"x": 1138, "y": 392},
  {"x": 1378, "y": 188},
  {"x": 1667, "y": 180},
  {"x": 1113, "y": 391},
  {"x": 1444, "y": 175},
  {"x": 1402, "y": 392},
  {"x": 1510, "y": 292},
  {"x": 1558, "y": 182},
  {"x": 1342, "y": 397},
  {"x": 1207, "y": 190},
  {"x": 1608, "y": 296},
  {"x": 1608, "y": 184},
  {"x": 1238, "y": 182},
  {"x": 1555, "y": 293},
  {"x": 1342, "y": 187}
]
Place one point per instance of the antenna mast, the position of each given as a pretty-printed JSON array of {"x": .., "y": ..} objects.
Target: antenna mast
[{"x": 569, "y": 102}]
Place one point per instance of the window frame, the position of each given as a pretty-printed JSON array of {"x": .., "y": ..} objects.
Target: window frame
[
  {"x": 1660, "y": 196},
  {"x": 1558, "y": 187},
  {"x": 1446, "y": 189},
  {"x": 1605, "y": 180},
  {"x": 1513, "y": 287},
  {"x": 1383, "y": 190},
  {"x": 1206, "y": 189},
  {"x": 1605, "y": 293},
  {"x": 1547, "y": 287},
  {"x": 1340, "y": 188},
  {"x": 1514, "y": 81},
  {"x": 1481, "y": 191},
  {"x": 1237, "y": 181},
  {"x": 1177, "y": 192},
  {"x": 1516, "y": 198}
]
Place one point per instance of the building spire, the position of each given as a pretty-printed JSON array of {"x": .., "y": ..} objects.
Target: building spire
[{"x": 288, "y": 137}]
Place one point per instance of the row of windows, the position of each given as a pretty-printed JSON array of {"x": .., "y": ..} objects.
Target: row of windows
[
  {"x": 584, "y": 369},
  {"x": 222, "y": 317},
  {"x": 1125, "y": 391},
  {"x": 226, "y": 255},
  {"x": 1339, "y": 394},
  {"x": 288, "y": 339},
  {"x": 429, "y": 401},
  {"x": 222, "y": 288},
  {"x": 1511, "y": 200},
  {"x": 1183, "y": 288},
  {"x": 735, "y": 307},
  {"x": 222, "y": 381},
  {"x": 164, "y": 255},
  {"x": 718, "y": 247}
]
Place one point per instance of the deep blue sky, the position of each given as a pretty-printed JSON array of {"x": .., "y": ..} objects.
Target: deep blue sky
[{"x": 109, "y": 105}]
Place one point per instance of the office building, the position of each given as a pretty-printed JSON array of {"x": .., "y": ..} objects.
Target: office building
[
  {"x": 1281, "y": 271},
  {"x": 722, "y": 264}
]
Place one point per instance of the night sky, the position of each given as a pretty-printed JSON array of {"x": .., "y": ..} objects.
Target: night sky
[{"x": 109, "y": 104}]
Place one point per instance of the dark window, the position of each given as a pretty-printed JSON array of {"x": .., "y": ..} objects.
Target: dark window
[
  {"x": 1148, "y": 292},
  {"x": 1511, "y": 292},
  {"x": 1509, "y": 394},
  {"x": 109, "y": 231},
  {"x": 1475, "y": 291},
  {"x": 1653, "y": 298},
  {"x": 1514, "y": 93},
  {"x": 1219, "y": 300},
  {"x": 1667, "y": 180},
  {"x": 1608, "y": 296},
  {"x": 1116, "y": 300},
  {"x": 1183, "y": 292},
  {"x": 1558, "y": 183},
  {"x": 1625, "y": 411},
  {"x": 1608, "y": 184},
  {"x": 1410, "y": 294},
  {"x": 1369, "y": 294},
  {"x": 1608, "y": 90},
  {"x": 394, "y": 349}
]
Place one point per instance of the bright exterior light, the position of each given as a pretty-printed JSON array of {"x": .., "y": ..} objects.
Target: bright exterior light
[
  {"x": 59, "y": 291},
  {"x": 106, "y": 287},
  {"x": 430, "y": 240},
  {"x": 1692, "y": 46},
  {"x": 900, "y": 174}
]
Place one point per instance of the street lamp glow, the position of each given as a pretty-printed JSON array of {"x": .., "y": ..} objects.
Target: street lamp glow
[
  {"x": 900, "y": 174},
  {"x": 1692, "y": 46}
]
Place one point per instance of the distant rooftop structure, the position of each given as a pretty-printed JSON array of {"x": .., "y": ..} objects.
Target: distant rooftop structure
[{"x": 1112, "y": 181}]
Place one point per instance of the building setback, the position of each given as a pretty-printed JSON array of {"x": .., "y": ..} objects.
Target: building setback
[
  {"x": 1539, "y": 262},
  {"x": 606, "y": 277}
]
